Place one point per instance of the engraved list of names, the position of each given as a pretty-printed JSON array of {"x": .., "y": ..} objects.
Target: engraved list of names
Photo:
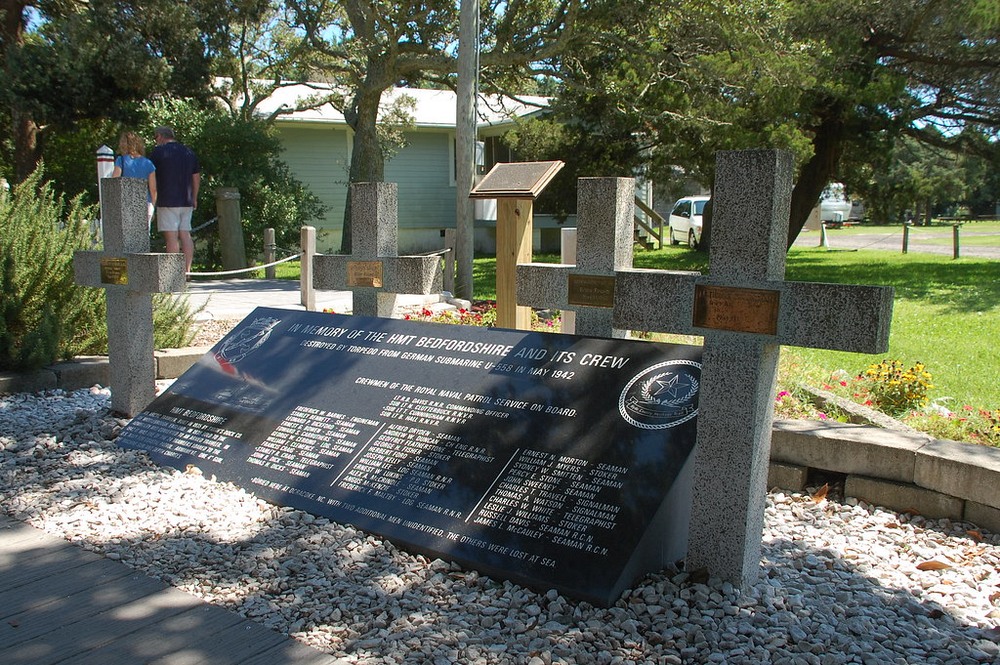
[{"x": 541, "y": 458}]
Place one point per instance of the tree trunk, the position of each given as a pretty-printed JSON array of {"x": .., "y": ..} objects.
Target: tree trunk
[
  {"x": 27, "y": 149},
  {"x": 367, "y": 160},
  {"x": 828, "y": 146}
]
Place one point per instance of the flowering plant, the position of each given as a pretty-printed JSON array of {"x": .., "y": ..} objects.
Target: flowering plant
[
  {"x": 893, "y": 389},
  {"x": 967, "y": 424},
  {"x": 482, "y": 313}
]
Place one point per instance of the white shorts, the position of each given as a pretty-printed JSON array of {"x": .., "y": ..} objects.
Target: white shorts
[{"x": 173, "y": 219}]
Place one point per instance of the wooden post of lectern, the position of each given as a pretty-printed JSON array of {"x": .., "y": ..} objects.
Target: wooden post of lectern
[
  {"x": 514, "y": 232},
  {"x": 515, "y": 186}
]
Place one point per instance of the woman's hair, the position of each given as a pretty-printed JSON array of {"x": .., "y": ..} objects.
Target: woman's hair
[{"x": 131, "y": 143}]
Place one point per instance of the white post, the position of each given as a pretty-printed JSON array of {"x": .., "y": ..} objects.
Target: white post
[
  {"x": 308, "y": 242},
  {"x": 105, "y": 167},
  {"x": 105, "y": 162},
  {"x": 567, "y": 256},
  {"x": 449, "y": 261}
]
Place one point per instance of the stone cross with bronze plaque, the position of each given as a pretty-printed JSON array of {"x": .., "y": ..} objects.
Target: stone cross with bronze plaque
[
  {"x": 515, "y": 186},
  {"x": 130, "y": 274},
  {"x": 745, "y": 311},
  {"x": 375, "y": 273},
  {"x": 605, "y": 210}
]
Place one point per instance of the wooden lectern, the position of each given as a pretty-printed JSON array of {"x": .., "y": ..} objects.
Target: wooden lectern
[{"x": 515, "y": 186}]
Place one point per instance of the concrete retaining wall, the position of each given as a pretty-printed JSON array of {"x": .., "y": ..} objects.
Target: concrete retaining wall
[{"x": 907, "y": 472}]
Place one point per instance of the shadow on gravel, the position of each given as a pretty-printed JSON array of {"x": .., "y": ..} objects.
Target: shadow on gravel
[{"x": 354, "y": 594}]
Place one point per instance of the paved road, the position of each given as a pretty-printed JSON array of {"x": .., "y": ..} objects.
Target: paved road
[
  {"x": 932, "y": 240},
  {"x": 235, "y": 298}
]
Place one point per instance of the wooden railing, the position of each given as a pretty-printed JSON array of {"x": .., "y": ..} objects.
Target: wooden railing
[{"x": 654, "y": 227}]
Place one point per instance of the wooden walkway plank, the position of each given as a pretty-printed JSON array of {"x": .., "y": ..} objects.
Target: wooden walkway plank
[
  {"x": 292, "y": 652},
  {"x": 168, "y": 636},
  {"x": 59, "y": 585},
  {"x": 60, "y": 603},
  {"x": 69, "y": 637}
]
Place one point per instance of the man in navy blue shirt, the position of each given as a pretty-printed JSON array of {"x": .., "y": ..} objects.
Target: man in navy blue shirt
[{"x": 178, "y": 177}]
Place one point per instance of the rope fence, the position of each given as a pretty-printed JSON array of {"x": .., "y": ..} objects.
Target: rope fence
[
  {"x": 206, "y": 224},
  {"x": 223, "y": 273}
]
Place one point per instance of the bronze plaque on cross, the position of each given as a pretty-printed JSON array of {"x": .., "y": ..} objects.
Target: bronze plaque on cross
[
  {"x": 114, "y": 271},
  {"x": 364, "y": 273},
  {"x": 592, "y": 290},
  {"x": 736, "y": 309}
]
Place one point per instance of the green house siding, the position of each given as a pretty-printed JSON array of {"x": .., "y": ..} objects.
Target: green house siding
[
  {"x": 318, "y": 155},
  {"x": 423, "y": 172}
]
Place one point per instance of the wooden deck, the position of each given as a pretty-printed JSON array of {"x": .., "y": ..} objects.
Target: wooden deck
[{"x": 60, "y": 603}]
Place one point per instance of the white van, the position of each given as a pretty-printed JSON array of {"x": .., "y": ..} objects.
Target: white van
[
  {"x": 834, "y": 206},
  {"x": 685, "y": 220}
]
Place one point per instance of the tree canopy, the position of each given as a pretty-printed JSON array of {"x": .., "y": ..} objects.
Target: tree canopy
[
  {"x": 366, "y": 47},
  {"x": 821, "y": 78},
  {"x": 63, "y": 61},
  {"x": 837, "y": 82}
]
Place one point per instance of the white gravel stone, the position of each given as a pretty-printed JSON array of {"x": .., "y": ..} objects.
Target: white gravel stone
[{"x": 839, "y": 583}]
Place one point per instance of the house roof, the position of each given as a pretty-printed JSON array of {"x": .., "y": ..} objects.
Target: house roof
[{"x": 433, "y": 108}]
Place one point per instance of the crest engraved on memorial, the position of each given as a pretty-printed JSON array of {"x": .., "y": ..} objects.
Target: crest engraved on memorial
[
  {"x": 662, "y": 396},
  {"x": 245, "y": 342}
]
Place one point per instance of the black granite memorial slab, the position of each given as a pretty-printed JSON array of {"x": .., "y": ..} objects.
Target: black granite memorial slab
[{"x": 556, "y": 461}]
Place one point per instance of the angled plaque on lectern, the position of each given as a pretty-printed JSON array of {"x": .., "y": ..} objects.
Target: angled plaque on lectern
[{"x": 519, "y": 180}]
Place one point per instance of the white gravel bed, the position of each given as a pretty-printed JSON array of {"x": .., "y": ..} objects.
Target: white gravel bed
[{"x": 839, "y": 583}]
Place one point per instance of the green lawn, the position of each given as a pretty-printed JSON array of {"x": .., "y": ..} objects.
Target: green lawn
[{"x": 946, "y": 314}]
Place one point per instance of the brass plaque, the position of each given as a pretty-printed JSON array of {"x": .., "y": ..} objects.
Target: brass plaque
[
  {"x": 732, "y": 308},
  {"x": 592, "y": 290},
  {"x": 114, "y": 271},
  {"x": 519, "y": 180},
  {"x": 364, "y": 273}
]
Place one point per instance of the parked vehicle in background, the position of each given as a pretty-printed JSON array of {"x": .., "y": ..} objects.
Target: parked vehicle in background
[
  {"x": 834, "y": 206},
  {"x": 685, "y": 220}
]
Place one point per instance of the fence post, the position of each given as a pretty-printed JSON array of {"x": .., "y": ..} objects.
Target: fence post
[
  {"x": 232, "y": 247},
  {"x": 567, "y": 256},
  {"x": 105, "y": 167},
  {"x": 906, "y": 237},
  {"x": 308, "y": 293},
  {"x": 269, "y": 248},
  {"x": 449, "y": 261},
  {"x": 956, "y": 240}
]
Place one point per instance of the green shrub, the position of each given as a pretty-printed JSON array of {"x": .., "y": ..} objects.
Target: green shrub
[
  {"x": 173, "y": 322},
  {"x": 44, "y": 316}
]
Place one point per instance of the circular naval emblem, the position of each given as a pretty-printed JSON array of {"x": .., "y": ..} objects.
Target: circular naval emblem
[
  {"x": 662, "y": 396},
  {"x": 247, "y": 341}
]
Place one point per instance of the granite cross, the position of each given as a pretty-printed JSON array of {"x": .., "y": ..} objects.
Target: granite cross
[
  {"x": 745, "y": 310},
  {"x": 374, "y": 272},
  {"x": 605, "y": 210},
  {"x": 130, "y": 274}
]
